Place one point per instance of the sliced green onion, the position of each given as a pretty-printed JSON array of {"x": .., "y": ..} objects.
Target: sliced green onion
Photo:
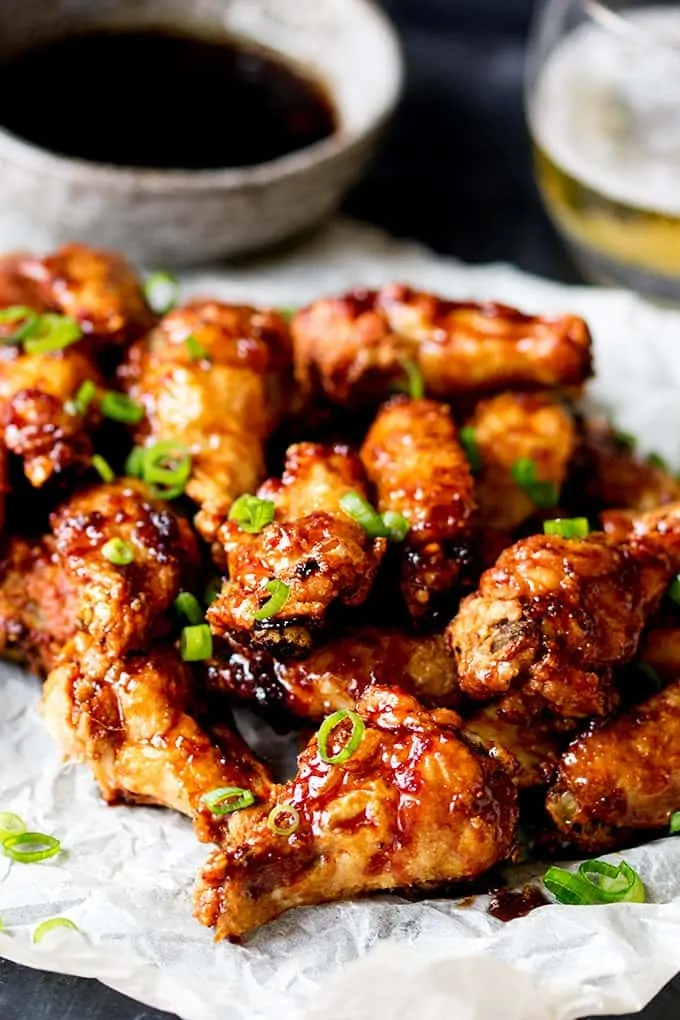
[
  {"x": 567, "y": 527},
  {"x": 18, "y": 313},
  {"x": 355, "y": 737},
  {"x": 195, "y": 350},
  {"x": 416, "y": 384},
  {"x": 656, "y": 461},
  {"x": 166, "y": 468},
  {"x": 251, "y": 513},
  {"x": 674, "y": 824},
  {"x": 118, "y": 552},
  {"x": 162, "y": 292},
  {"x": 227, "y": 799},
  {"x": 11, "y": 825},
  {"x": 85, "y": 394},
  {"x": 674, "y": 590},
  {"x": 279, "y": 596},
  {"x": 357, "y": 507},
  {"x": 595, "y": 882},
  {"x": 543, "y": 494},
  {"x": 396, "y": 524},
  {"x": 29, "y": 847},
  {"x": 468, "y": 440},
  {"x": 103, "y": 468},
  {"x": 120, "y": 407},
  {"x": 54, "y": 922},
  {"x": 196, "y": 643},
  {"x": 134, "y": 464},
  {"x": 650, "y": 674},
  {"x": 625, "y": 439},
  {"x": 212, "y": 590},
  {"x": 52, "y": 333},
  {"x": 188, "y": 605},
  {"x": 287, "y": 313},
  {"x": 276, "y": 819}
]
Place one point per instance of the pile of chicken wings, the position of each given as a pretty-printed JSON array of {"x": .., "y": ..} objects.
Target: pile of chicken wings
[{"x": 364, "y": 487}]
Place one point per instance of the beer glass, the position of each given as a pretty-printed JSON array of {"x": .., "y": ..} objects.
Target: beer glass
[{"x": 603, "y": 101}]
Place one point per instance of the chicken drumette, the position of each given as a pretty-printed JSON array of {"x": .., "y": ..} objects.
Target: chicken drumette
[{"x": 416, "y": 803}]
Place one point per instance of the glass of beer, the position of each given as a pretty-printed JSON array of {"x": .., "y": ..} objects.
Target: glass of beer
[{"x": 603, "y": 95}]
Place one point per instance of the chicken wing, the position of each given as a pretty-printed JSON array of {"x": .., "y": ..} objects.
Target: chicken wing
[
  {"x": 530, "y": 739},
  {"x": 621, "y": 777},
  {"x": 553, "y": 618},
  {"x": 512, "y": 429},
  {"x": 335, "y": 675},
  {"x": 415, "y": 804},
  {"x": 352, "y": 349},
  {"x": 213, "y": 377},
  {"x": 660, "y": 649},
  {"x": 313, "y": 548},
  {"x": 419, "y": 469},
  {"x": 656, "y": 529}
]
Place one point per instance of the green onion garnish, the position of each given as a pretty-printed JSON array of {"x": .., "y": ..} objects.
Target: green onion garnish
[
  {"x": 212, "y": 590},
  {"x": 195, "y": 350},
  {"x": 196, "y": 643},
  {"x": 162, "y": 292},
  {"x": 674, "y": 590},
  {"x": 187, "y": 605},
  {"x": 468, "y": 440},
  {"x": 355, "y": 737},
  {"x": 166, "y": 468},
  {"x": 279, "y": 593},
  {"x": 18, "y": 313},
  {"x": 416, "y": 384},
  {"x": 251, "y": 513},
  {"x": 543, "y": 494},
  {"x": 595, "y": 882},
  {"x": 120, "y": 407},
  {"x": 396, "y": 524},
  {"x": 625, "y": 439},
  {"x": 655, "y": 461},
  {"x": 674, "y": 824},
  {"x": 134, "y": 464},
  {"x": 118, "y": 552},
  {"x": 227, "y": 799},
  {"x": 276, "y": 819},
  {"x": 358, "y": 507},
  {"x": 52, "y": 333},
  {"x": 11, "y": 825},
  {"x": 287, "y": 313},
  {"x": 84, "y": 396},
  {"x": 103, "y": 468},
  {"x": 29, "y": 847},
  {"x": 567, "y": 527},
  {"x": 54, "y": 922}
]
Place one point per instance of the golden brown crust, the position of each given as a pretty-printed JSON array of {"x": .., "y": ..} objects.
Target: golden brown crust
[
  {"x": 614, "y": 477},
  {"x": 415, "y": 804},
  {"x": 352, "y": 349},
  {"x": 419, "y": 469},
  {"x": 655, "y": 529},
  {"x": 530, "y": 738}
]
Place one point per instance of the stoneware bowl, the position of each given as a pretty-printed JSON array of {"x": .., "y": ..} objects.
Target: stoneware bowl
[{"x": 169, "y": 217}]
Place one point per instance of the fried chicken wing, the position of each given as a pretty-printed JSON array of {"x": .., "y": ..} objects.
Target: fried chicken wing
[
  {"x": 621, "y": 777},
  {"x": 415, "y": 804},
  {"x": 554, "y": 617},
  {"x": 335, "y": 675},
  {"x": 511, "y": 428},
  {"x": 419, "y": 469},
  {"x": 531, "y": 739},
  {"x": 660, "y": 649},
  {"x": 213, "y": 377},
  {"x": 656, "y": 529},
  {"x": 316, "y": 550},
  {"x": 352, "y": 349}
]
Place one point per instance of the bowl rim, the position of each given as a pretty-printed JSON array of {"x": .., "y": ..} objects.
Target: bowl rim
[{"x": 34, "y": 157}]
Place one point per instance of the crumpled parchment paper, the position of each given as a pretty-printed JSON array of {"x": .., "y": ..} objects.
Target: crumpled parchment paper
[{"x": 126, "y": 874}]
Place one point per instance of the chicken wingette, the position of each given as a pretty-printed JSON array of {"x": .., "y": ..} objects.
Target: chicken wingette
[
  {"x": 353, "y": 349},
  {"x": 531, "y": 739},
  {"x": 413, "y": 803},
  {"x": 419, "y": 469}
]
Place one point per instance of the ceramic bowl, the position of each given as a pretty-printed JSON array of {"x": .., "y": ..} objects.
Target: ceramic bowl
[{"x": 169, "y": 217}]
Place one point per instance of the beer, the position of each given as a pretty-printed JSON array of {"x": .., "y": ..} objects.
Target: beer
[{"x": 605, "y": 119}]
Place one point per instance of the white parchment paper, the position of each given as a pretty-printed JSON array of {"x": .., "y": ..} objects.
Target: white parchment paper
[{"x": 126, "y": 875}]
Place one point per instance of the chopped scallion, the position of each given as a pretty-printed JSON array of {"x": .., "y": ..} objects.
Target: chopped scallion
[
  {"x": 283, "y": 819},
  {"x": 227, "y": 799},
  {"x": 166, "y": 468},
  {"x": 118, "y": 552},
  {"x": 329, "y": 725},
  {"x": 187, "y": 605},
  {"x": 134, "y": 465},
  {"x": 567, "y": 527},
  {"x": 279, "y": 593},
  {"x": 54, "y": 922},
  {"x": 674, "y": 823},
  {"x": 251, "y": 513},
  {"x": 468, "y": 440},
  {"x": 85, "y": 394},
  {"x": 212, "y": 590},
  {"x": 358, "y": 507},
  {"x": 416, "y": 384},
  {"x": 195, "y": 350},
  {"x": 162, "y": 292},
  {"x": 19, "y": 314},
  {"x": 103, "y": 468},
  {"x": 196, "y": 643},
  {"x": 543, "y": 494},
  {"x": 655, "y": 461},
  {"x": 625, "y": 439},
  {"x": 674, "y": 590},
  {"x": 11, "y": 825},
  {"x": 595, "y": 882},
  {"x": 52, "y": 333},
  {"x": 396, "y": 524},
  {"x": 120, "y": 407},
  {"x": 30, "y": 847}
]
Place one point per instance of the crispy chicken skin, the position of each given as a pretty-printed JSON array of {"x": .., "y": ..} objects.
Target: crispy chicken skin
[
  {"x": 419, "y": 469},
  {"x": 656, "y": 529},
  {"x": 614, "y": 477},
  {"x": 335, "y": 675},
  {"x": 660, "y": 649},
  {"x": 531, "y": 740},
  {"x": 222, "y": 406},
  {"x": 511, "y": 427},
  {"x": 133, "y": 722},
  {"x": 554, "y": 617},
  {"x": 352, "y": 349},
  {"x": 318, "y": 551},
  {"x": 622, "y": 776},
  {"x": 415, "y": 804}
]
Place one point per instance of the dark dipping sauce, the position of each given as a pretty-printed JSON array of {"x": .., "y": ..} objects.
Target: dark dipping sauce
[
  {"x": 509, "y": 904},
  {"x": 158, "y": 99}
]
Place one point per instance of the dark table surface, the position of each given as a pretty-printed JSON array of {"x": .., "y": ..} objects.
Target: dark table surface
[{"x": 454, "y": 173}]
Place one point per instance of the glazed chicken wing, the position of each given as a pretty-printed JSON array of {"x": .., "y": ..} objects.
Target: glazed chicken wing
[
  {"x": 622, "y": 776},
  {"x": 553, "y": 618},
  {"x": 213, "y": 377},
  {"x": 660, "y": 650},
  {"x": 655, "y": 529},
  {"x": 319, "y": 553},
  {"x": 335, "y": 675},
  {"x": 531, "y": 739},
  {"x": 415, "y": 804},
  {"x": 352, "y": 349},
  {"x": 419, "y": 469}
]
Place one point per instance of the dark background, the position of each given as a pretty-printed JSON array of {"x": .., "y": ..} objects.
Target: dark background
[{"x": 455, "y": 173}]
